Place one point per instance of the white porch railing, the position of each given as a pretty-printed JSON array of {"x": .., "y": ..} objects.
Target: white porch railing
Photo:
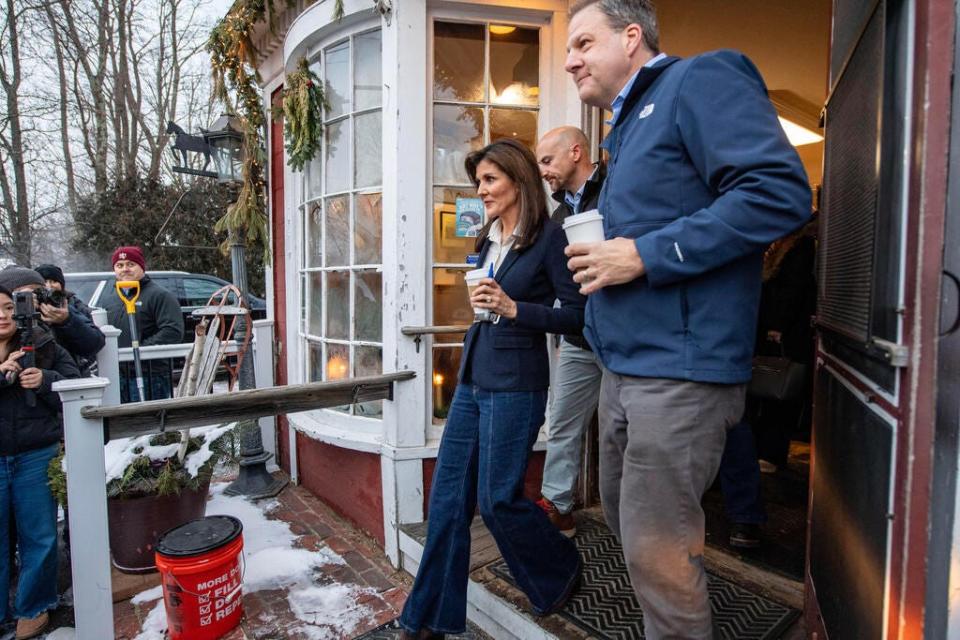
[{"x": 88, "y": 414}]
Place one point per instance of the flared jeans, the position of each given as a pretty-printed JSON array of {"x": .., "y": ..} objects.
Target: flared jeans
[{"x": 483, "y": 461}]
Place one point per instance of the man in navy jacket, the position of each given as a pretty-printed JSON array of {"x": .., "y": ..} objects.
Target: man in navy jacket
[{"x": 701, "y": 179}]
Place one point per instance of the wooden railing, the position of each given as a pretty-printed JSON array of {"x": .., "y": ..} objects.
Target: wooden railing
[{"x": 85, "y": 420}]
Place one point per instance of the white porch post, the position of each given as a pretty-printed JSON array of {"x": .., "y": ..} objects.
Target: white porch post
[
  {"x": 108, "y": 359},
  {"x": 406, "y": 222},
  {"x": 87, "y": 497},
  {"x": 263, "y": 365}
]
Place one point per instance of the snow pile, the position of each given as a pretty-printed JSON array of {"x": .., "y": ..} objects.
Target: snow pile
[
  {"x": 271, "y": 561},
  {"x": 118, "y": 454},
  {"x": 148, "y": 596}
]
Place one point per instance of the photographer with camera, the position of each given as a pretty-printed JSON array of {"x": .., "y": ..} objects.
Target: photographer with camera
[
  {"x": 30, "y": 431},
  {"x": 72, "y": 325}
]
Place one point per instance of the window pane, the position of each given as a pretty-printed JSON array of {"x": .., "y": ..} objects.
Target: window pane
[
  {"x": 516, "y": 124},
  {"x": 446, "y": 365},
  {"x": 456, "y": 132},
  {"x": 448, "y": 248},
  {"x": 451, "y": 304},
  {"x": 314, "y": 243},
  {"x": 197, "y": 291},
  {"x": 314, "y": 171},
  {"x": 368, "y": 299},
  {"x": 368, "y": 86},
  {"x": 314, "y": 362},
  {"x": 337, "y": 156},
  {"x": 368, "y": 228},
  {"x": 337, "y": 243},
  {"x": 315, "y": 303},
  {"x": 366, "y": 150},
  {"x": 514, "y": 65},
  {"x": 338, "y": 79},
  {"x": 338, "y": 305},
  {"x": 338, "y": 361},
  {"x": 368, "y": 361},
  {"x": 458, "y": 62}
]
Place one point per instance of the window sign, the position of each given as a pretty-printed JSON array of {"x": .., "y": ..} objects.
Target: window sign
[{"x": 469, "y": 217}]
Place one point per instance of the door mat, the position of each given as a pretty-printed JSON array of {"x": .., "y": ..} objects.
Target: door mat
[
  {"x": 605, "y": 605},
  {"x": 391, "y": 631}
]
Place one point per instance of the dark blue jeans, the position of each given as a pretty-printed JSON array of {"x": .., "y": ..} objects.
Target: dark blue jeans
[
  {"x": 483, "y": 460},
  {"x": 24, "y": 492},
  {"x": 740, "y": 477}
]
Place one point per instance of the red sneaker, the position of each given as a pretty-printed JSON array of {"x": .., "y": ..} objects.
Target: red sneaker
[{"x": 562, "y": 521}]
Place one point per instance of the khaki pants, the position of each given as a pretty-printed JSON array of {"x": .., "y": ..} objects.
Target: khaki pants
[{"x": 660, "y": 446}]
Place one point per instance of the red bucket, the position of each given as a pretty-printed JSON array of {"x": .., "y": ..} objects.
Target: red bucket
[{"x": 201, "y": 573}]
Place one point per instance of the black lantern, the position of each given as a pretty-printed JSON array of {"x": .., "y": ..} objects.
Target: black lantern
[{"x": 225, "y": 137}]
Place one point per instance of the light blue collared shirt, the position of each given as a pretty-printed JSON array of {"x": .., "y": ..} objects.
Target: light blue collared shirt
[
  {"x": 573, "y": 199},
  {"x": 618, "y": 101}
]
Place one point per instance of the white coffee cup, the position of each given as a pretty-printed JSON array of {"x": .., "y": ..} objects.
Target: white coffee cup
[
  {"x": 584, "y": 227},
  {"x": 473, "y": 279}
]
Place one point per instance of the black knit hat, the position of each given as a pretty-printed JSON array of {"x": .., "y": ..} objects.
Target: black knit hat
[
  {"x": 52, "y": 272},
  {"x": 14, "y": 277}
]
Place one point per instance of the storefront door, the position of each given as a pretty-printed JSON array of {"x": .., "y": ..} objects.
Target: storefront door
[{"x": 878, "y": 273}]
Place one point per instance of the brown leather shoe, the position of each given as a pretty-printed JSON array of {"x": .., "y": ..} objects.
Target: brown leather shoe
[
  {"x": 32, "y": 627},
  {"x": 562, "y": 521}
]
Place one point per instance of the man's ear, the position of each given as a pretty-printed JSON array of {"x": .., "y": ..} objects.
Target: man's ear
[
  {"x": 576, "y": 151},
  {"x": 632, "y": 39}
]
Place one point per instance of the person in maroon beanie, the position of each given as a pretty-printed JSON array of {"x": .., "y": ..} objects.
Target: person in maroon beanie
[{"x": 159, "y": 321}]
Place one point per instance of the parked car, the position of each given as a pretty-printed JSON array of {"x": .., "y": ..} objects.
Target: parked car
[{"x": 193, "y": 290}]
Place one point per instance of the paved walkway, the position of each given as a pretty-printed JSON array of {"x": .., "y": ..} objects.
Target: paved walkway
[{"x": 268, "y": 614}]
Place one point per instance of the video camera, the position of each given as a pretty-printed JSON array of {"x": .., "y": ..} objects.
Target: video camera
[
  {"x": 26, "y": 315},
  {"x": 52, "y": 297}
]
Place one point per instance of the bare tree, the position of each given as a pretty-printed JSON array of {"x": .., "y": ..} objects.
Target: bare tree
[{"x": 16, "y": 208}]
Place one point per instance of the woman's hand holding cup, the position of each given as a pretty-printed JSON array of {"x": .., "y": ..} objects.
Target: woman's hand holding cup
[{"x": 488, "y": 295}]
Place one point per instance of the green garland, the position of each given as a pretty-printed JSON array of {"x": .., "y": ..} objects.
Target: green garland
[
  {"x": 233, "y": 60},
  {"x": 303, "y": 105}
]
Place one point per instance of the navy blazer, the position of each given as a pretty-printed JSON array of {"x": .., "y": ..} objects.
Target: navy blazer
[{"x": 511, "y": 355}]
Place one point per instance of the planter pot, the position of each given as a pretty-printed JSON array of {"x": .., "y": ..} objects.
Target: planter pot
[{"x": 136, "y": 523}]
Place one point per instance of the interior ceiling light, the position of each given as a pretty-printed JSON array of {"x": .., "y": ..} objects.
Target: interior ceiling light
[
  {"x": 798, "y": 117},
  {"x": 501, "y": 29}
]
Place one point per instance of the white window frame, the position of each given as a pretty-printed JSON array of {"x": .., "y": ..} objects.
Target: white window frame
[
  {"x": 549, "y": 18},
  {"x": 317, "y": 422}
]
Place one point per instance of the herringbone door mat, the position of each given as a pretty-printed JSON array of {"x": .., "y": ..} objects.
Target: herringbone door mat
[
  {"x": 605, "y": 606},
  {"x": 391, "y": 631}
]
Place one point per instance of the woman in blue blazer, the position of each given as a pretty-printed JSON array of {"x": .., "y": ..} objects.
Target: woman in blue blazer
[{"x": 498, "y": 406}]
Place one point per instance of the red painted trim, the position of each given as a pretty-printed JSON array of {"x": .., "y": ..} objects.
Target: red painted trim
[
  {"x": 860, "y": 385},
  {"x": 348, "y": 481},
  {"x": 277, "y": 230},
  {"x": 929, "y": 142}
]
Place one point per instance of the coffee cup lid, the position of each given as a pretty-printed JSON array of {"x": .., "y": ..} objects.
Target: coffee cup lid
[
  {"x": 580, "y": 218},
  {"x": 476, "y": 274}
]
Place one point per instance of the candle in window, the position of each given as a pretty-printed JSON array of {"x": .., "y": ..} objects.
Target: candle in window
[{"x": 437, "y": 392}]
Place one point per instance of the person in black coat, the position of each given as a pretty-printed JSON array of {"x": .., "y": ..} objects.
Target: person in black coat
[
  {"x": 30, "y": 432},
  {"x": 563, "y": 155},
  {"x": 72, "y": 324},
  {"x": 498, "y": 406},
  {"x": 159, "y": 321}
]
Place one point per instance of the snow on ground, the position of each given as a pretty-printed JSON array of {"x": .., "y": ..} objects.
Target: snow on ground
[
  {"x": 271, "y": 561},
  {"x": 148, "y": 596},
  {"x": 63, "y": 633}
]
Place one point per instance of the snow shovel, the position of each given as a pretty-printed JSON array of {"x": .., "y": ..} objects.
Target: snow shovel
[{"x": 130, "y": 302}]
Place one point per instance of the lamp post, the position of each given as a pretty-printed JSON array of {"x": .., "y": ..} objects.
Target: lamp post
[{"x": 225, "y": 146}]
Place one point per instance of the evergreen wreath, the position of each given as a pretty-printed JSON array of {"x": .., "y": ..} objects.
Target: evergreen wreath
[{"x": 303, "y": 104}]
